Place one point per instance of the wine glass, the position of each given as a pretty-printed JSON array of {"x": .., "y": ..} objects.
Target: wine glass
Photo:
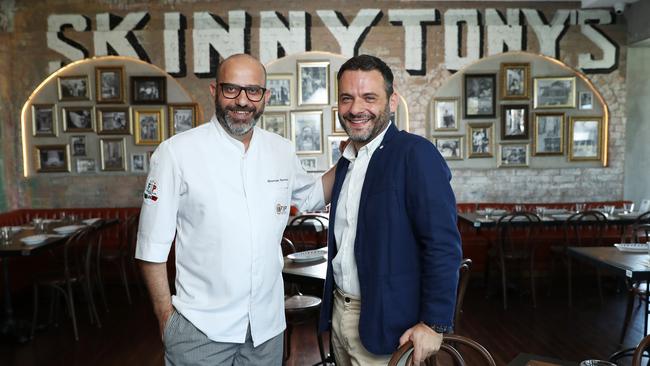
[
  {"x": 580, "y": 207},
  {"x": 488, "y": 212},
  {"x": 540, "y": 211},
  {"x": 628, "y": 207}
]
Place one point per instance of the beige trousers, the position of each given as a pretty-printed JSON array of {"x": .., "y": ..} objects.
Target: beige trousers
[{"x": 348, "y": 349}]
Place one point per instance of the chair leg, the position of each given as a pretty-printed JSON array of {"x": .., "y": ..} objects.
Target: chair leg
[
  {"x": 288, "y": 336},
  {"x": 569, "y": 289},
  {"x": 125, "y": 280},
  {"x": 532, "y": 285},
  {"x": 70, "y": 302},
  {"x": 504, "y": 287},
  {"x": 628, "y": 312},
  {"x": 321, "y": 349},
  {"x": 91, "y": 301},
  {"x": 100, "y": 285},
  {"x": 35, "y": 314},
  {"x": 600, "y": 286}
]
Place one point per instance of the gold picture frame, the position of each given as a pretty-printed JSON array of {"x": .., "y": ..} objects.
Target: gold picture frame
[
  {"x": 513, "y": 155},
  {"x": 52, "y": 158},
  {"x": 113, "y": 120},
  {"x": 182, "y": 117},
  {"x": 109, "y": 84},
  {"x": 74, "y": 87},
  {"x": 585, "y": 138},
  {"x": 307, "y": 131},
  {"x": 112, "y": 154},
  {"x": 450, "y": 147},
  {"x": 148, "y": 125},
  {"x": 333, "y": 151},
  {"x": 548, "y": 132},
  {"x": 337, "y": 127},
  {"x": 480, "y": 140},
  {"x": 78, "y": 119},
  {"x": 446, "y": 114},
  {"x": 515, "y": 80},
  {"x": 554, "y": 92},
  {"x": 276, "y": 122},
  {"x": 281, "y": 89},
  {"x": 44, "y": 120}
]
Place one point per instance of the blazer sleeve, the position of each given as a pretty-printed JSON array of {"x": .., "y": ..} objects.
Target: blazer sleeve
[{"x": 431, "y": 207}]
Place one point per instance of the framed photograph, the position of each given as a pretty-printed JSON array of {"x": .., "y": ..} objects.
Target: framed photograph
[
  {"x": 78, "y": 144},
  {"x": 148, "y": 89},
  {"x": 182, "y": 117},
  {"x": 113, "y": 121},
  {"x": 109, "y": 82},
  {"x": 480, "y": 139},
  {"x": 549, "y": 134},
  {"x": 85, "y": 166},
  {"x": 44, "y": 120},
  {"x": 280, "y": 87},
  {"x": 586, "y": 100},
  {"x": 446, "y": 114},
  {"x": 334, "y": 153},
  {"x": 555, "y": 92},
  {"x": 275, "y": 122},
  {"x": 113, "y": 152},
  {"x": 450, "y": 147},
  {"x": 513, "y": 155},
  {"x": 139, "y": 163},
  {"x": 148, "y": 126},
  {"x": 307, "y": 132},
  {"x": 52, "y": 158},
  {"x": 514, "y": 122},
  {"x": 515, "y": 81},
  {"x": 337, "y": 127},
  {"x": 309, "y": 164},
  {"x": 78, "y": 119},
  {"x": 313, "y": 83},
  {"x": 74, "y": 88},
  {"x": 585, "y": 138},
  {"x": 480, "y": 95}
]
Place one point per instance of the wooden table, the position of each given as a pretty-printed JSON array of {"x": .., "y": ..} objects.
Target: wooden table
[
  {"x": 308, "y": 273},
  {"x": 527, "y": 359},
  {"x": 480, "y": 221}
]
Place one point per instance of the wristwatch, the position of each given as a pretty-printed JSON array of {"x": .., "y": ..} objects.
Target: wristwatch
[{"x": 440, "y": 328}]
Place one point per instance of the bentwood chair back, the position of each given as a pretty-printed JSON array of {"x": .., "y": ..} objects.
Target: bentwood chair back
[
  {"x": 463, "y": 279},
  {"x": 517, "y": 233},
  {"x": 455, "y": 350},
  {"x": 308, "y": 232}
]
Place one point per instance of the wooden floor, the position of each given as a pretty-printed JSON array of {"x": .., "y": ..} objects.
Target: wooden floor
[{"x": 129, "y": 335}]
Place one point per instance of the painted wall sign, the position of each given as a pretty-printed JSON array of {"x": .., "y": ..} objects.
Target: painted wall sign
[{"x": 464, "y": 33}]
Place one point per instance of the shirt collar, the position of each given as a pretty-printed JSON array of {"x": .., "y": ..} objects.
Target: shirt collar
[
  {"x": 350, "y": 151},
  {"x": 221, "y": 132}
]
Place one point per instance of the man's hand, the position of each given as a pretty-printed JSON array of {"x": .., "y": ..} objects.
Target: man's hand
[
  {"x": 164, "y": 316},
  {"x": 425, "y": 340}
]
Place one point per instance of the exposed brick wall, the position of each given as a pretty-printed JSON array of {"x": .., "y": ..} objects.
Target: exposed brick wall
[{"x": 24, "y": 59}]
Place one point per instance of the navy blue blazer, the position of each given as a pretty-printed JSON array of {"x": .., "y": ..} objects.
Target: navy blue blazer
[{"x": 407, "y": 246}]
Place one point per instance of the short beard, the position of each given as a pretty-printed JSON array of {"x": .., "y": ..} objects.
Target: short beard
[
  {"x": 381, "y": 121},
  {"x": 236, "y": 129}
]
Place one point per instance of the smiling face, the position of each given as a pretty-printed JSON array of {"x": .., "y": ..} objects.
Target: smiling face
[
  {"x": 364, "y": 107},
  {"x": 239, "y": 115}
]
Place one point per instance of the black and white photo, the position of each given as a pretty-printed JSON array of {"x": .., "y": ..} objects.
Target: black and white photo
[
  {"x": 514, "y": 122},
  {"x": 51, "y": 158},
  {"x": 337, "y": 127},
  {"x": 109, "y": 82},
  {"x": 549, "y": 134},
  {"x": 307, "y": 131},
  {"x": 182, "y": 117},
  {"x": 480, "y": 140},
  {"x": 44, "y": 120},
  {"x": 480, "y": 95},
  {"x": 585, "y": 138},
  {"x": 586, "y": 99},
  {"x": 148, "y": 89},
  {"x": 309, "y": 164},
  {"x": 77, "y": 119},
  {"x": 148, "y": 126},
  {"x": 450, "y": 147},
  {"x": 515, "y": 81},
  {"x": 73, "y": 88},
  {"x": 275, "y": 122},
  {"x": 113, "y": 153},
  {"x": 555, "y": 92},
  {"x": 333, "y": 144},
  {"x": 513, "y": 155},
  {"x": 113, "y": 121},
  {"x": 85, "y": 166},
  {"x": 78, "y": 145},
  {"x": 280, "y": 90},
  {"x": 139, "y": 163},
  {"x": 313, "y": 83},
  {"x": 445, "y": 111}
]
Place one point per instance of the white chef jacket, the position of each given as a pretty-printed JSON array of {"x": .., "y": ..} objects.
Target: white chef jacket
[
  {"x": 344, "y": 264},
  {"x": 228, "y": 209}
]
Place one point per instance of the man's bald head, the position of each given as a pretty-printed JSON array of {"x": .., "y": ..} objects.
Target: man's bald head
[{"x": 240, "y": 60}]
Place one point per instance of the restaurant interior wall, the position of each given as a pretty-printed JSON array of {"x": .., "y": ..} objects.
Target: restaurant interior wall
[{"x": 25, "y": 61}]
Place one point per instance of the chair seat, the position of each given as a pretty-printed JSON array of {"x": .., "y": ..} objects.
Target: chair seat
[
  {"x": 301, "y": 303},
  {"x": 53, "y": 279}
]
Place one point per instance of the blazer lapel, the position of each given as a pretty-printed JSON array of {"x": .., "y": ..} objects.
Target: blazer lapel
[{"x": 341, "y": 171}]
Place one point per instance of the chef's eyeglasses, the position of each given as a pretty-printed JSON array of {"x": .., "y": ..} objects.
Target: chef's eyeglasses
[{"x": 232, "y": 91}]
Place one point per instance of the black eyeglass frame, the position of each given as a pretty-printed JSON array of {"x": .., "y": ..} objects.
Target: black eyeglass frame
[{"x": 246, "y": 89}]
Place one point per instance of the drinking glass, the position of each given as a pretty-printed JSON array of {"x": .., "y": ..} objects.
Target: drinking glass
[
  {"x": 540, "y": 211},
  {"x": 596, "y": 363},
  {"x": 64, "y": 217},
  {"x": 519, "y": 208},
  {"x": 628, "y": 207},
  {"x": 580, "y": 207},
  {"x": 38, "y": 222},
  {"x": 5, "y": 234},
  {"x": 609, "y": 209},
  {"x": 488, "y": 212}
]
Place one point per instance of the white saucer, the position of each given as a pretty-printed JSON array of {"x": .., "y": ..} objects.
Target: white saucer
[
  {"x": 34, "y": 239},
  {"x": 308, "y": 256}
]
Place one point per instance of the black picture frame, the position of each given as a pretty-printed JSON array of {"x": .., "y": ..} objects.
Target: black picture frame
[
  {"x": 514, "y": 122},
  {"x": 479, "y": 92},
  {"x": 148, "y": 89}
]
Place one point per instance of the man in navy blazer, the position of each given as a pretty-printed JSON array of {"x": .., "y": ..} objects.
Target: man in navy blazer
[{"x": 394, "y": 248}]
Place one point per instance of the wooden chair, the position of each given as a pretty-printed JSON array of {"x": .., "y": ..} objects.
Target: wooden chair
[
  {"x": 637, "y": 353},
  {"x": 299, "y": 308},
  {"x": 76, "y": 270},
  {"x": 307, "y": 232},
  {"x": 463, "y": 279},
  {"x": 449, "y": 347},
  {"x": 516, "y": 235},
  {"x": 582, "y": 229}
]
